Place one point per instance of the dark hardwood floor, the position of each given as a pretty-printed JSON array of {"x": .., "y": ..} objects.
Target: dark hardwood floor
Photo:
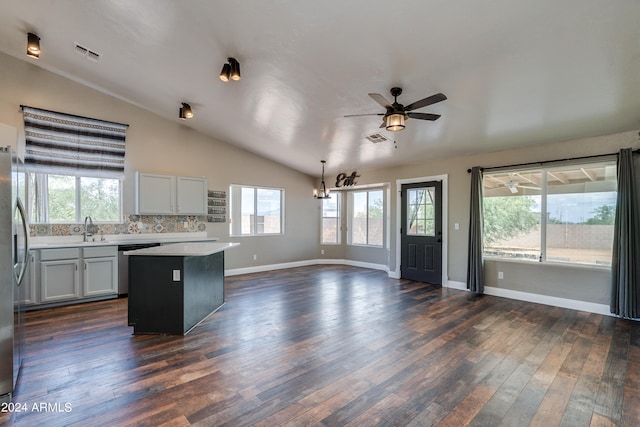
[{"x": 334, "y": 346}]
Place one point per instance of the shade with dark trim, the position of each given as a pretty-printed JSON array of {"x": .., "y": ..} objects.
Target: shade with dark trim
[{"x": 73, "y": 145}]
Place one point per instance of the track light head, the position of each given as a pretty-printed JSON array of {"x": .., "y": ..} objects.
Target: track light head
[
  {"x": 185, "y": 112},
  {"x": 225, "y": 73},
  {"x": 33, "y": 46},
  {"x": 235, "y": 69},
  {"x": 230, "y": 70}
]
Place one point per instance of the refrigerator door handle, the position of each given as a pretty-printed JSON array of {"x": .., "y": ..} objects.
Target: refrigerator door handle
[{"x": 25, "y": 230}]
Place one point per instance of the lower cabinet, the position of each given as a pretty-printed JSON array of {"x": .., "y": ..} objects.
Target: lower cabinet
[{"x": 73, "y": 274}]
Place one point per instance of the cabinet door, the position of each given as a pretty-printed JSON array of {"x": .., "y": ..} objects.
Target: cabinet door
[
  {"x": 155, "y": 194},
  {"x": 192, "y": 195},
  {"x": 100, "y": 276},
  {"x": 59, "y": 280}
]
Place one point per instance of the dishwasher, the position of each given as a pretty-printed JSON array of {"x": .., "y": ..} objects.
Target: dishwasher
[{"x": 123, "y": 265}]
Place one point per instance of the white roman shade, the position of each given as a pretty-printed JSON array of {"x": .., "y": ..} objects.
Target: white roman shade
[{"x": 72, "y": 145}]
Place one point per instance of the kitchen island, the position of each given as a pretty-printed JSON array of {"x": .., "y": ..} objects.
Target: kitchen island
[{"x": 172, "y": 288}]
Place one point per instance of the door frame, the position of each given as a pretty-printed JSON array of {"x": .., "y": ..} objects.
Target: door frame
[{"x": 445, "y": 227}]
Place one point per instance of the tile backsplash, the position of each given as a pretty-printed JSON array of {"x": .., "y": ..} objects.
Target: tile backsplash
[{"x": 135, "y": 224}]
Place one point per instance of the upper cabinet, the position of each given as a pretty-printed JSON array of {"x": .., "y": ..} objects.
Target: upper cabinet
[
  {"x": 157, "y": 194},
  {"x": 191, "y": 195}
]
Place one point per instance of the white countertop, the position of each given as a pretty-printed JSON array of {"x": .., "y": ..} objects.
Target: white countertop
[
  {"x": 117, "y": 239},
  {"x": 184, "y": 249}
]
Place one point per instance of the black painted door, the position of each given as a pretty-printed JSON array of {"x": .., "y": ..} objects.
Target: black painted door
[{"x": 421, "y": 232}]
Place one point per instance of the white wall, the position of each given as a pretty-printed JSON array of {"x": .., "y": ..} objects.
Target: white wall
[{"x": 164, "y": 146}]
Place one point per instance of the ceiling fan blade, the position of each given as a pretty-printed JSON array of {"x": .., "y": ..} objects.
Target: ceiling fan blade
[
  {"x": 380, "y": 100},
  {"x": 383, "y": 125},
  {"x": 426, "y": 101},
  {"x": 424, "y": 116},
  {"x": 360, "y": 115}
]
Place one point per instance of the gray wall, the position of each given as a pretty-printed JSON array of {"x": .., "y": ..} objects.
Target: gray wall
[{"x": 158, "y": 145}]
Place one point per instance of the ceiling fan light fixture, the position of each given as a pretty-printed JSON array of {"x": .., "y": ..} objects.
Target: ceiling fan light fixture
[
  {"x": 185, "y": 112},
  {"x": 225, "y": 73},
  {"x": 33, "y": 46},
  {"x": 395, "y": 122}
]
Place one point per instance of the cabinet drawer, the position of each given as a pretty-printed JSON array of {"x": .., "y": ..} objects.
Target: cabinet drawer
[
  {"x": 62, "y": 253},
  {"x": 99, "y": 251}
]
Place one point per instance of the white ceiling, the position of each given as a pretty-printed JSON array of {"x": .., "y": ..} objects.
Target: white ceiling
[{"x": 515, "y": 73}]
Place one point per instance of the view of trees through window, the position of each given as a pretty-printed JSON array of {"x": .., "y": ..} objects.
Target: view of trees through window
[
  {"x": 69, "y": 199},
  {"x": 367, "y": 221},
  {"x": 556, "y": 214}
]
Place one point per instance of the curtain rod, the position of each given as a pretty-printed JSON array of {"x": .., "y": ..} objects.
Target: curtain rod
[
  {"x": 552, "y": 161},
  {"x": 22, "y": 107}
]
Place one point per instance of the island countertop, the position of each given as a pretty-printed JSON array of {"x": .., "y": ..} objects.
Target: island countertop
[{"x": 184, "y": 249}]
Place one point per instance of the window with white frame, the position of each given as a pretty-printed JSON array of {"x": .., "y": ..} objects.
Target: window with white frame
[
  {"x": 367, "y": 218},
  {"x": 562, "y": 214},
  {"x": 331, "y": 219},
  {"x": 54, "y": 198},
  {"x": 256, "y": 210}
]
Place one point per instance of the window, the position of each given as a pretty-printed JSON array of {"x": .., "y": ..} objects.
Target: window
[
  {"x": 557, "y": 214},
  {"x": 367, "y": 218},
  {"x": 331, "y": 219},
  {"x": 256, "y": 211},
  {"x": 57, "y": 198}
]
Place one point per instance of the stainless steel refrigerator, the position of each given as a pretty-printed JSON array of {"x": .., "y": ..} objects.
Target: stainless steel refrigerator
[{"x": 14, "y": 250}]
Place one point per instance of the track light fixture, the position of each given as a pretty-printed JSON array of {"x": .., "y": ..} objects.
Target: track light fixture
[
  {"x": 185, "y": 112},
  {"x": 33, "y": 46},
  {"x": 323, "y": 193},
  {"x": 230, "y": 70}
]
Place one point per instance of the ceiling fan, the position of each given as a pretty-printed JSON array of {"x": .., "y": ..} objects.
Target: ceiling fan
[
  {"x": 396, "y": 114},
  {"x": 513, "y": 186}
]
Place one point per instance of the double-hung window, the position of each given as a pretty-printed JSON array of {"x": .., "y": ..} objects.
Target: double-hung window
[
  {"x": 256, "y": 210},
  {"x": 331, "y": 219},
  {"x": 562, "y": 214},
  {"x": 367, "y": 218}
]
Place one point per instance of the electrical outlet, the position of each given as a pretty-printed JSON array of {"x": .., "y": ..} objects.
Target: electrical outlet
[
  {"x": 500, "y": 275},
  {"x": 176, "y": 275},
  {"x": 456, "y": 226},
  {"x": 255, "y": 257},
  {"x": 186, "y": 224},
  {"x": 321, "y": 251}
]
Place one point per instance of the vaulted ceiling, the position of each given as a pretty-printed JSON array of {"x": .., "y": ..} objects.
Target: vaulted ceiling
[{"x": 515, "y": 73}]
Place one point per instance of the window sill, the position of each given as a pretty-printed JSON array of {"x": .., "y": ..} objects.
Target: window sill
[{"x": 592, "y": 267}]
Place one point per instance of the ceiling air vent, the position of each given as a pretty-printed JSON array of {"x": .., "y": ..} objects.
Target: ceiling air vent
[
  {"x": 89, "y": 54},
  {"x": 377, "y": 138}
]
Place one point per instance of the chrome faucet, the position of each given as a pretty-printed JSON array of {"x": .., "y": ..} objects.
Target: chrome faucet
[{"x": 88, "y": 232}]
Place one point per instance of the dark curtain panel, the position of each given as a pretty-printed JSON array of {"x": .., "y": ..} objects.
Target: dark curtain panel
[
  {"x": 475, "y": 267},
  {"x": 625, "y": 278}
]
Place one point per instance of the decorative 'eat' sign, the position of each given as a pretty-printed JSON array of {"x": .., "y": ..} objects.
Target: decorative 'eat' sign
[{"x": 342, "y": 180}]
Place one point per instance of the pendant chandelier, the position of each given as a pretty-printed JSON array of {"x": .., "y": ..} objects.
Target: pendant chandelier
[{"x": 323, "y": 192}]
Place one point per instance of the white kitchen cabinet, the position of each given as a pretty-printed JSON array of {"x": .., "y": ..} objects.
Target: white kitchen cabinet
[
  {"x": 157, "y": 194},
  {"x": 70, "y": 275},
  {"x": 100, "y": 271},
  {"x": 59, "y": 276},
  {"x": 191, "y": 195}
]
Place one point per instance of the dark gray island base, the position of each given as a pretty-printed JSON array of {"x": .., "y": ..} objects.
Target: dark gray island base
[{"x": 175, "y": 287}]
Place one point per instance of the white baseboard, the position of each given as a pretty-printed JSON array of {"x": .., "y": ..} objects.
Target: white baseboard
[
  {"x": 462, "y": 286},
  {"x": 591, "y": 307}
]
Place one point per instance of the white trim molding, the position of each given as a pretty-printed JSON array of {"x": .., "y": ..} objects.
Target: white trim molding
[
  {"x": 269, "y": 267},
  {"x": 445, "y": 223}
]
